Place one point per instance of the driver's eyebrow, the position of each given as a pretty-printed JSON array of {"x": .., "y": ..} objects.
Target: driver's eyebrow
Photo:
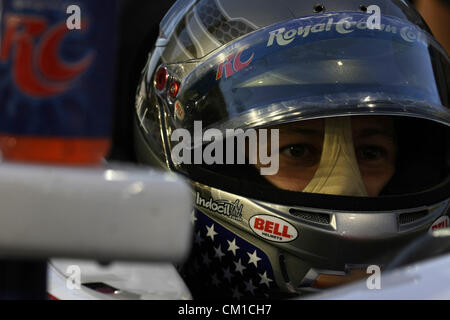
[{"x": 369, "y": 132}]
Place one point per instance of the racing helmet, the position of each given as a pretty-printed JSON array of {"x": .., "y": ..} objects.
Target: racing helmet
[{"x": 316, "y": 139}]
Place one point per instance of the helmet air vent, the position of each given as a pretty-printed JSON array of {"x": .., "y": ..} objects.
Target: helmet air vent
[
  {"x": 410, "y": 217},
  {"x": 321, "y": 218}
]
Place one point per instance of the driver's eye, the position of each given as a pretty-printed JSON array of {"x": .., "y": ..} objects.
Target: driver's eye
[
  {"x": 296, "y": 151},
  {"x": 370, "y": 153},
  {"x": 300, "y": 154}
]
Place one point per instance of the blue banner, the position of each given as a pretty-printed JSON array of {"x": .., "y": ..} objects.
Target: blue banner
[{"x": 57, "y": 67}]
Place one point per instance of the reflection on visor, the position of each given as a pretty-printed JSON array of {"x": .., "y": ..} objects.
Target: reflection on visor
[{"x": 315, "y": 66}]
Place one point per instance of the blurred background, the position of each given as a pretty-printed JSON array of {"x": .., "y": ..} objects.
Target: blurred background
[{"x": 437, "y": 15}]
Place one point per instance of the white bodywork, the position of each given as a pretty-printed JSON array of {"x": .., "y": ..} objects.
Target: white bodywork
[
  {"x": 426, "y": 280},
  {"x": 134, "y": 216},
  {"x": 133, "y": 281},
  {"x": 123, "y": 213}
]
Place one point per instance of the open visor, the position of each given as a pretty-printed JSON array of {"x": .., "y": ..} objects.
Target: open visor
[{"x": 304, "y": 70}]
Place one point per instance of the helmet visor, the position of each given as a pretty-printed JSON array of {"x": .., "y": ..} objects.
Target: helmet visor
[
  {"x": 292, "y": 76},
  {"x": 316, "y": 67}
]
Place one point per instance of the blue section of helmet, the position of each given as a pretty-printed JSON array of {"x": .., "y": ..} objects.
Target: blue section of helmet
[
  {"x": 325, "y": 60},
  {"x": 48, "y": 96},
  {"x": 330, "y": 26},
  {"x": 227, "y": 264}
]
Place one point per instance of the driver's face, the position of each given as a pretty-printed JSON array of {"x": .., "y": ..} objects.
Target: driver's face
[{"x": 301, "y": 146}]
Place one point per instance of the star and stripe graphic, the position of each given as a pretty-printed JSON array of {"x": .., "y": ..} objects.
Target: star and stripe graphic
[{"x": 223, "y": 264}]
